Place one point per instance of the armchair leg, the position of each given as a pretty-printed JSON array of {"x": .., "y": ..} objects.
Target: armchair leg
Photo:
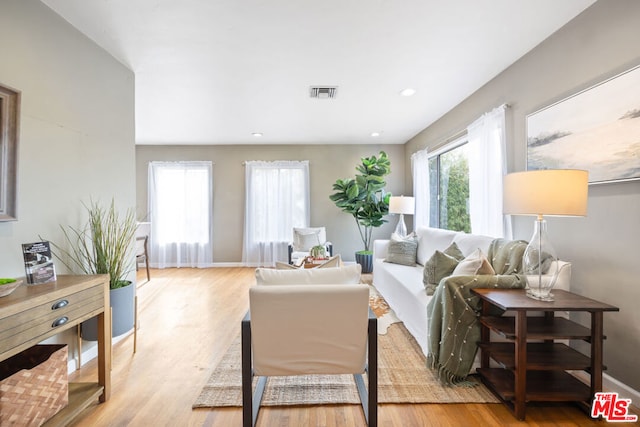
[
  {"x": 362, "y": 392},
  {"x": 247, "y": 374},
  {"x": 372, "y": 370},
  {"x": 257, "y": 399},
  {"x": 250, "y": 403}
]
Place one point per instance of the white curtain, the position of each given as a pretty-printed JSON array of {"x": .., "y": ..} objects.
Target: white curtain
[
  {"x": 276, "y": 200},
  {"x": 181, "y": 213},
  {"x": 487, "y": 166},
  {"x": 421, "y": 192}
]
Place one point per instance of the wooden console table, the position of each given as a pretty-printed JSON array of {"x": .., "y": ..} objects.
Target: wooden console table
[
  {"x": 33, "y": 313},
  {"x": 536, "y": 371}
]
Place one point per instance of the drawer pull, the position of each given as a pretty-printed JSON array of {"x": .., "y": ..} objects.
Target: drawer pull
[
  {"x": 60, "y": 304},
  {"x": 59, "y": 322}
]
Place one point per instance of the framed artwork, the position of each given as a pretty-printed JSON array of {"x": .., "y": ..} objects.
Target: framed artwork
[
  {"x": 597, "y": 130},
  {"x": 9, "y": 117}
]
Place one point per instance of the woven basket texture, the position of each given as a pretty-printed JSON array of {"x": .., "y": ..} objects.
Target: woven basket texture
[{"x": 33, "y": 385}]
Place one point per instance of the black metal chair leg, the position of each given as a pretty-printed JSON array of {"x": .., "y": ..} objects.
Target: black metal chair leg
[{"x": 247, "y": 374}]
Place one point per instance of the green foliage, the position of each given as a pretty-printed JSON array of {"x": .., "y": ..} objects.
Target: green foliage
[
  {"x": 102, "y": 246},
  {"x": 318, "y": 251},
  {"x": 363, "y": 196},
  {"x": 457, "y": 196}
]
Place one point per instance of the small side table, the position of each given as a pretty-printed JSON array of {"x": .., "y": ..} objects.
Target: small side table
[{"x": 537, "y": 371}]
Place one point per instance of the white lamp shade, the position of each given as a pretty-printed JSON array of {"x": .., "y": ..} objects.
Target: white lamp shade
[
  {"x": 402, "y": 205},
  {"x": 556, "y": 192}
]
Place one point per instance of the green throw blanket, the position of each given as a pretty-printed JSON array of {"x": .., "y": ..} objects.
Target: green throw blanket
[{"x": 454, "y": 329}]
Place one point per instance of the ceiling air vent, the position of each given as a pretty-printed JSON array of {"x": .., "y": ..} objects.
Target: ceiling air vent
[{"x": 323, "y": 92}]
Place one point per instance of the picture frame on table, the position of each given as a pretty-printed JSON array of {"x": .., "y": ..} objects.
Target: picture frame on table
[{"x": 596, "y": 129}]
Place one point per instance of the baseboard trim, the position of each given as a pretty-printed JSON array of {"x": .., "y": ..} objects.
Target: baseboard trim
[
  {"x": 210, "y": 265},
  {"x": 611, "y": 384}
]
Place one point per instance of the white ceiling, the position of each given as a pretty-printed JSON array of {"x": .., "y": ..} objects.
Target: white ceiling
[{"x": 216, "y": 71}]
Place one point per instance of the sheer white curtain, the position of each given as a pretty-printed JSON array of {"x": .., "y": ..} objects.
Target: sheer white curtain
[
  {"x": 181, "y": 212},
  {"x": 276, "y": 200},
  {"x": 421, "y": 192},
  {"x": 487, "y": 166}
]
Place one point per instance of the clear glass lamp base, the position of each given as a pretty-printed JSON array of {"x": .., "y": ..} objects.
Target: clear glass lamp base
[
  {"x": 539, "y": 264},
  {"x": 540, "y": 296},
  {"x": 401, "y": 228}
]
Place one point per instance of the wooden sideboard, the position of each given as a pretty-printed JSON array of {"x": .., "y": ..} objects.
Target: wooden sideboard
[{"x": 33, "y": 313}]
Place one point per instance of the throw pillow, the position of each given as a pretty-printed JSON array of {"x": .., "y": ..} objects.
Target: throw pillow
[
  {"x": 334, "y": 261},
  {"x": 305, "y": 241},
  {"x": 440, "y": 265},
  {"x": 402, "y": 250},
  {"x": 454, "y": 251},
  {"x": 285, "y": 266},
  {"x": 475, "y": 263}
]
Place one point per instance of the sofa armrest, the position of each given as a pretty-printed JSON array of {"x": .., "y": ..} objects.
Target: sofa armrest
[
  {"x": 564, "y": 276},
  {"x": 380, "y": 248}
]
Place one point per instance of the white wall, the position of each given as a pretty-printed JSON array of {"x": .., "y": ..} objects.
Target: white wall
[
  {"x": 77, "y": 133},
  {"x": 603, "y": 248},
  {"x": 326, "y": 164}
]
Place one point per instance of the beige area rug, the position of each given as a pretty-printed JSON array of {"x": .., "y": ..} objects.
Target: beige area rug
[{"x": 402, "y": 377}]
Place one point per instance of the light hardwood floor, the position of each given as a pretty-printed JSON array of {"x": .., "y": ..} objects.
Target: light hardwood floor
[{"x": 188, "y": 318}]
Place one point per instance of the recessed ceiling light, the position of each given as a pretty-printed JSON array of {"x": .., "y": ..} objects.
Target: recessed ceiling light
[
  {"x": 257, "y": 134},
  {"x": 375, "y": 134},
  {"x": 408, "y": 92}
]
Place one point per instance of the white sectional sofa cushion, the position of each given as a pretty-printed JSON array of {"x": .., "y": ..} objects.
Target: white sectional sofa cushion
[{"x": 402, "y": 286}]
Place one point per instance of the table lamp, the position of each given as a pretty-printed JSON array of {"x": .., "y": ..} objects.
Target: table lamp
[
  {"x": 549, "y": 192},
  {"x": 401, "y": 205}
]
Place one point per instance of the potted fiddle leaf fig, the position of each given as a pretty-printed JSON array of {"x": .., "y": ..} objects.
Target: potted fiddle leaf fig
[
  {"x": 364, "y": 198},
  {"x": 104, "y": 245}
]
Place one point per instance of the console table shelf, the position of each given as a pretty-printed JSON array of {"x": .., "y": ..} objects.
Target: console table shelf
[
  {"x": 557, "y": 328},
  {"x": 33, "y": 313},
  {"x": 540, "y": 356},
  {"x": 533, "y": 367},
  {"x": 547, "y": 386}
]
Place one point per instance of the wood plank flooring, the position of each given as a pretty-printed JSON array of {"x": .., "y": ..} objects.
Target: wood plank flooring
[{"x": 187, "y": 320}]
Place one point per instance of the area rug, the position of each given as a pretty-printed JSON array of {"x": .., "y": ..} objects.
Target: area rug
[
  {"x": 386, "y": 316},
  {"x": 402, "y": 378}
]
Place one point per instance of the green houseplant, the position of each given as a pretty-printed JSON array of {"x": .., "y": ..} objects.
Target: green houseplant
[
  {"x": 317, "y": 252},
  {"x": 364, "y": 198},
  {"x": 104, "y": 245}
]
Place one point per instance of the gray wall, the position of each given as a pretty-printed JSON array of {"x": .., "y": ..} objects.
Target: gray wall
[
  {"x": 603, "y": 248},
  {"x": 326, "y": 164},
  {"x": 77, "y": 126}
]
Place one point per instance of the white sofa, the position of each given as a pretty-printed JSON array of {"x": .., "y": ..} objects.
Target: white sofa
[{"x": 402, "y": 286}]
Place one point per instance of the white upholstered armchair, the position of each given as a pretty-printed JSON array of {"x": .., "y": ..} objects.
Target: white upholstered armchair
[
  {"x": 309, "y": 329},
  {"x": 304, "y": 238}
]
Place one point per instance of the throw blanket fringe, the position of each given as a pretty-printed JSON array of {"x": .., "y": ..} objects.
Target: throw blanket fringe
[
  {"x": 447, "y": 377},
  {"x": 454, "y": 329}
]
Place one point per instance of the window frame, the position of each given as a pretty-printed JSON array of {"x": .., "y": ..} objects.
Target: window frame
[{"x": 435, "y": 202}]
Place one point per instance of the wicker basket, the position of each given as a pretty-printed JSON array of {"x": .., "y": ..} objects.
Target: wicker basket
[{"x": 33, "y": 385}]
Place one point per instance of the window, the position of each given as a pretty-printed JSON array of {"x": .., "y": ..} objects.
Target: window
[
  {"x": 180, "y": 207},
  {"x": 460, "y": 185},
  {"x": 449, "y": 188},
  {"x": 276, "y": 200}
]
